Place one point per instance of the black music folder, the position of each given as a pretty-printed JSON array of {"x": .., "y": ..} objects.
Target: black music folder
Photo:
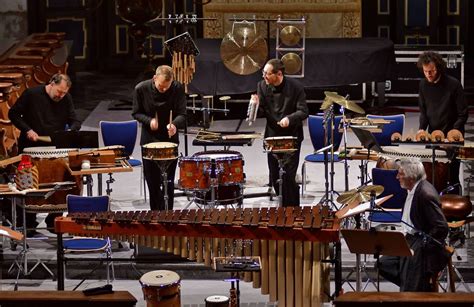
[
  {"x": 75, "y": 139},
  {"x": 367, "y": 139}
]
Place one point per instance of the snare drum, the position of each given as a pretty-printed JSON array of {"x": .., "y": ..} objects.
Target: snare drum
[
  {"x": 217, "y": 301},
  {"x": 280, "y": 143},
  {"x": 160, "y": 151},
  {"x": 161, "y": 288}
]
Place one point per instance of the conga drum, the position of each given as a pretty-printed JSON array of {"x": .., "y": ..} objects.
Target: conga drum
[
  {"x": 161, "y": 288},
  {"x": 217, "y": 301}
]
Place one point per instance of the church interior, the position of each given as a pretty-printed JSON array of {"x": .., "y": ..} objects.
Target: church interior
[{"x": 230, "y": 238}]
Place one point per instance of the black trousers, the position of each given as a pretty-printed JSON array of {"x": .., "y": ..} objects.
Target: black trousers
[
  {"x": 291, "y": 190},
  {"x": 154, "y": 182},
  {"x": 409, "y": 273}
]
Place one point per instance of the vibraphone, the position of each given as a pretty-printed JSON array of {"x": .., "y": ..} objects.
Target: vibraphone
[{"x": 293, "y": 243}]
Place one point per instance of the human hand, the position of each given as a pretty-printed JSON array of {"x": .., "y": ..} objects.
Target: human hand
[
  {"x": 171, "y": 129},
  {"x": 284, "y": 122},
  {"x": 32, "y": 135},
  {"x": 154, "y": 124}
]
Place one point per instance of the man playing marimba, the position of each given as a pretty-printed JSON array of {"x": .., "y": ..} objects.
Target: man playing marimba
[{"x": 442, "y": 103}]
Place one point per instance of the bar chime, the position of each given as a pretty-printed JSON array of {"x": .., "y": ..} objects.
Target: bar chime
[{"x": 183, "y": 51}]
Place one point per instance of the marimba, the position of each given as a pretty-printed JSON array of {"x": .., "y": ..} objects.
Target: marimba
[{"x": 292, "y": 243}]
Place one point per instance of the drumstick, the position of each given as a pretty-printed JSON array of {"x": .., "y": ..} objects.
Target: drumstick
[
  {"x": 156, "y": 118},
  {"x": 171, "y": 120}
]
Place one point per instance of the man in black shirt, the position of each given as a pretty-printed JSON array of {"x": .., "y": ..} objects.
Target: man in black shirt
[
  {"x": 283, "y": 103},
  {"x": 441, "y": 101},
  {"x": 39, "y": 112},
  {"x": 43, "y": 110},
  {"x": 153, "y": 102}
]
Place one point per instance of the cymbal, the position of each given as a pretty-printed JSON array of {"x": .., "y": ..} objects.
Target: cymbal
[
  {"x": 335, "y": 97},
  {"x": 360, "y": 195},
  {"x": 243, "y": 51},
  {"x": 347, "y": 104},
  {"x": 290, "y": 35},
  {"x": 292, "y": 63},
  {"x": 326, "y": 104}
]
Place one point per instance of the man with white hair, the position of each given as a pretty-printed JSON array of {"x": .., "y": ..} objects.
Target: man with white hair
[{"x": 425, "y": 229}]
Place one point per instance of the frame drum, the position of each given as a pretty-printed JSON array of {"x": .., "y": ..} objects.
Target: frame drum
[
  {"x": 280, "y": 143},
  {"x": 217, "y": 301},
  {"x": 160, "y": 151},
  {"x": 161, "y": 288}
]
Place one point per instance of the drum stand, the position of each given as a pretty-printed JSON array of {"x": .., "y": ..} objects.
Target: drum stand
[
  {"x": 281, "y": 156},
  {"x": 164, "y": 164}
]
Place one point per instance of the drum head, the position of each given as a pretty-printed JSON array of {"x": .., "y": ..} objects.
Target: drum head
[
  {"x": 217, "y": 299},
  {"x": 159, "y": 278},
  {"x": 160, "y": 145},
  {"x": 218, "y": 154},
  {"x": 275, "y": 138}
]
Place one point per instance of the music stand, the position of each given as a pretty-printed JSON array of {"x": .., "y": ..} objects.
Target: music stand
[
  {"x": 367, "y": 139},
  {"x": 389, "y": 243}
]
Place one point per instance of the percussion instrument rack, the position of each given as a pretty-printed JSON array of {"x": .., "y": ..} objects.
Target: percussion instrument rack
[{"x": 309, "y": 224}]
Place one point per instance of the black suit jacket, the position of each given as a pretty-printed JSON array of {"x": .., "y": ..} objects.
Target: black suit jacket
[
  {"x": 427, "y": 216},
  {"x": 293, "y": 101}
]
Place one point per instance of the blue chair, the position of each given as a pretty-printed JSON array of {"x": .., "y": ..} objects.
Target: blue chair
[
  {"x": 388, "y": 179},
  {"x": 122, "y": 133},
  {"x": 316, "y": 133},
  {"x": 397, "y": 124},
  {"x": 77, "y": 203}
]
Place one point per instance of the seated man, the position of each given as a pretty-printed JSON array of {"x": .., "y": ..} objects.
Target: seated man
[{"x": 425, "y": 230}]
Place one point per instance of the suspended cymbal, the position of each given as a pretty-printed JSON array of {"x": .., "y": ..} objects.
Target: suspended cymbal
[
  {"x": 326, "y": 104},
  {"x": 243, "y": 51},
  {"x": 290, "y": 35},
  {"x": 292, "y": 63},
  {"x": 335, "y": 97},
  {"x": 360, "y": 195},
  {"x": 350, "y": 105}
]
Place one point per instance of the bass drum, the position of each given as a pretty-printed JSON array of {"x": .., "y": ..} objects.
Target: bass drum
[{"x": 224, "y": 195}]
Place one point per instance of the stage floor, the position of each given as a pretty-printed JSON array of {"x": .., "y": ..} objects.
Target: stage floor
[{"x": 198, "y": 282}]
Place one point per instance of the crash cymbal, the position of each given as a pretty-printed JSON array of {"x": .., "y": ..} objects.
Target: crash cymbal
[
  {"x": 290, "y": 35},
  {"x": 333, "y": 96},
  {"x": 350, "y": 105},
  {"x": 292, "y": 63},
  {"x": 360, "y": 195},
  {"x": 326, "y": 104},
  {"x": 243, "y": 51}
]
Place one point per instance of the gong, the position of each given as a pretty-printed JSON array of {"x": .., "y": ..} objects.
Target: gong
[
  {"x": 243, "y": 51},
  {"x": 292, "y": 63}
]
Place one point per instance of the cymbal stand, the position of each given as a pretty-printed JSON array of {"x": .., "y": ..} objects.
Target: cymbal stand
[
  {"x": 213, "y": 175},
  {"x": 346, "y": 166},
  {"x": 358, "y": 266},
  {"x": 329, "y": 119}
]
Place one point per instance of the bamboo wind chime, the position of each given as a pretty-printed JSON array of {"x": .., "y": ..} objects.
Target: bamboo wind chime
[{"x": 184, "y": 68}]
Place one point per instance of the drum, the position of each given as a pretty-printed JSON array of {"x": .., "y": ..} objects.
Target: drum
[
  {"x": 455, "y": 207},
  {"x": 280, "y": 143},
  {"x": 466, "y": 153},
  {"x": 195, "y": 172},
  {"x": 52, "y": 166},
  {"x": 217, "y": 301},
  {"x": 160, "y": 151},
  {"x": 161, "y": 288},
  {"x": 224, "y": 195}
]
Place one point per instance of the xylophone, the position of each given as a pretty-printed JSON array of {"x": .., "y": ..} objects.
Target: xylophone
[{"x": 291, "y": 242}]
